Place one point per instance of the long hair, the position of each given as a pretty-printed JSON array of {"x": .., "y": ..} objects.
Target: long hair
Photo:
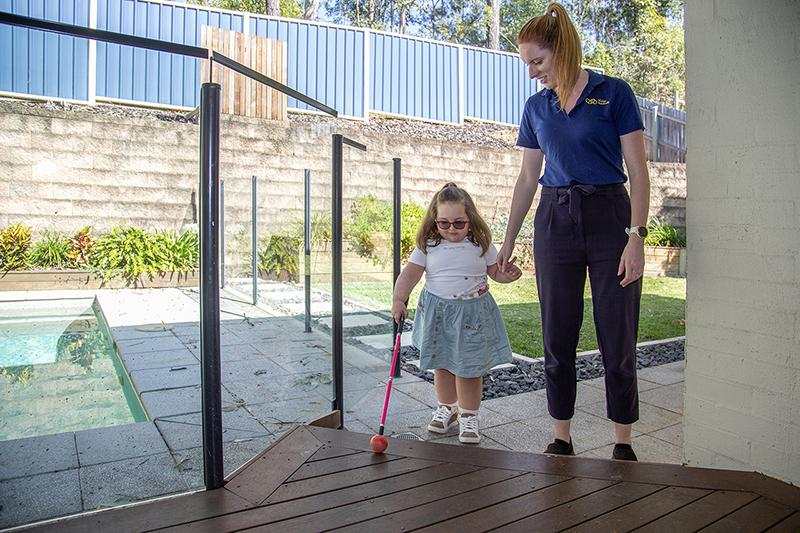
[
  {"x": 555, "y": 31},
  {"x": 479, "y": 232}
]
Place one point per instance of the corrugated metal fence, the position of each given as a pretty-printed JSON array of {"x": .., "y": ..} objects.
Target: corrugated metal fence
[{"x": 353, "y": 70}]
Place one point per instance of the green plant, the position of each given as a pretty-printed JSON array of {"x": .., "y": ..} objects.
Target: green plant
[
  {"x": 183, "y": 251},
  {"x": 52, "y": 251},
  {"x": 370, "y": 216},
  {"x": 129, "y": 252},
  {"x": 15, "y": 240},
  {"x": 660, "y": 233},
  {"x": 279, "y": 256},
  {"x": 80, "y": 246}
]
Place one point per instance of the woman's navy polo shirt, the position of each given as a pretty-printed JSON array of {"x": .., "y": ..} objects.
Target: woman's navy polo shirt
[{"x": 582, "y": 146}]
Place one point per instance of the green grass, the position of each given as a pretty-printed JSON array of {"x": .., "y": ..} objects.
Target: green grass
[{"x": 661, "y": 316}]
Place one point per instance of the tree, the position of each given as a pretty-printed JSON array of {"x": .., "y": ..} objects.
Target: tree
[
  {"x": 311, "y": 10},
  {"x": 494, "y": 27},
  {"x": 273, "y": 7},
  {"x": 288, "y": 8},
  {"x": 513, "y": 15}
]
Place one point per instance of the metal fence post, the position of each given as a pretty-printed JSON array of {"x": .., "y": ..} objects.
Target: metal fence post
[
  {"x": 396, "y": 215},
  {"x": 209, "y": 286},
  {"x": 254, "y": 244},
  {"x": 655, "y": 134},
  {"x": 307, "y": 244},
  {"x": 222, "y": 233},
  {"x": 337, "y": 337}
]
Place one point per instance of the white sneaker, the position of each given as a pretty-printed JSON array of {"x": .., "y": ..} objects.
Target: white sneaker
[
  {"x": 468, "y": 429},
  {"x": 443, "y": 418}
]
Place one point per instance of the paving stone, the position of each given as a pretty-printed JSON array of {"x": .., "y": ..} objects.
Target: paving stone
[
  {"x": 189, "y": 463},
  {"x": 525, "y": 406},
  {"x": 264, "y": 389},
  {"x": 179, "y": 401},
  {"x": 649, "y": 449},
  {"x": 366, "y": 403},
  {"x": 114, "y": 443},
  {"x": 165, "y": 378},
  {"x": 185, "y": 431},
  {"x": 485, "y": 442},
  {"x": 311, "y": 362},
  {"x": 126, "y": 333},
  {"x": 586, "y": 395},
  {"x": 422, "y": 391},
  {"x": 39, "y": 497},
  {"x": 651, "y": 418},
  {"x": 240, "y": 352},
  {"x": 417, "y": 422},
  {"x": 385, "y": 340},
  {"x": 168, "y": 358},
  {"x": 150, "y": 344},
  {"x": 130, "y": 480},
  {"x": 250, "y": 368},
  {"x": 667, "y": 397},
  {"x": 668, "y": 374},
  {"x": 278, "y": 416},
  {"x": 37, "y": 455},
  {"x": 357, "y": 320},
  {"x": 672, "y": 434}
]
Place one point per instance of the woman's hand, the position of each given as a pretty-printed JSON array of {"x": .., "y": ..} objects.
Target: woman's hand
[
  {"x": 504, "y": 257},
  {"x": 398, "y": 312},
  {"x": 632, "y": 261}
]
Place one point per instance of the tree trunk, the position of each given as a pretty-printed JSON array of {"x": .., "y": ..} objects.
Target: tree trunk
[
  {"x": 273, "y": 7},
  {"x": 311, "y": 10},
  {"x": 402, "y": 19},
  {"x": 494, "y": 24}
]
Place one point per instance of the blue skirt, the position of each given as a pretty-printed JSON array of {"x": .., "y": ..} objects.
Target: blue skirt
[{"x": 465, "y": 337}]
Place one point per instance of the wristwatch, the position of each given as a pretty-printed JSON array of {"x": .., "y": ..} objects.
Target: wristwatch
[{"x": 639, "y": 231}]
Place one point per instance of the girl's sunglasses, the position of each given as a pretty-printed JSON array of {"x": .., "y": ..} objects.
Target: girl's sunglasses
[{"x": 445, "y": 224}]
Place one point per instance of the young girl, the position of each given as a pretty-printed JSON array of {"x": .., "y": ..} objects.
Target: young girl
[{"x": 457, "y": 327}]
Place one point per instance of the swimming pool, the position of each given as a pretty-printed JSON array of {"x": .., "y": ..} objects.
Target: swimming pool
[{"x": 59, "y": 370}]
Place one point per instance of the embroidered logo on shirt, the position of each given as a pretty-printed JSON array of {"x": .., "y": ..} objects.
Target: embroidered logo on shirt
[{"x": 596, "y": 101}]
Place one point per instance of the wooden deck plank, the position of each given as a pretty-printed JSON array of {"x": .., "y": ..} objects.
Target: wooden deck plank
[
  {"x": 340, "y": 480},
  {"x": 328, "y": 500},
  {"x": 754, "y": 517},
  {"x": 789, "y": 525},
  {"x": 151, "y": 515},
  {"x": 584, "y": 508},
  {"x": 658, "y": 474},
  {"x": 269, "y": 470},
  {"x": 700, "y": 513},
  {"x": 455, "y": 506},
  {"x": 408, "y": 499},
  {"x": 484, "y": 518},
  {"x": 643, "y": 511},
  {"x": 327, "y": 452},
  {"x": 339, "y": 464}
]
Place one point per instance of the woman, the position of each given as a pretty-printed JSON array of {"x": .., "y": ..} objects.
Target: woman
[{"x": 584, "y": 123}]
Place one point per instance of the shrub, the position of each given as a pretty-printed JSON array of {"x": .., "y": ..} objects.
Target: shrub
[
  {"x": 15, "y": 240},
  {"x": 80, "y": 246},
  {"x": 52, "y": 251},
  {"x": 279, "y": 256},
  {"x": 660, "y": 233},
  {"x": 370, "y": 216}
]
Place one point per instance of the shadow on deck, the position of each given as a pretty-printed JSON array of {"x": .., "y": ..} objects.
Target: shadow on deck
[{"x": 315, "y": 479}]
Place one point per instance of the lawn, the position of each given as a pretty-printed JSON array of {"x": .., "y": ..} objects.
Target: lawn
[{"x": 662, "y": 310}]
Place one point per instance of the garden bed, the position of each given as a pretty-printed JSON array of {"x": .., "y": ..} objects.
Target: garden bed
[{"x": 32, "y": 280}]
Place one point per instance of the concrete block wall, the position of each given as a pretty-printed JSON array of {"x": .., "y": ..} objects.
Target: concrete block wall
[
  {"x": 742, "y": 398},
  {"x": 105, "y": 166}
]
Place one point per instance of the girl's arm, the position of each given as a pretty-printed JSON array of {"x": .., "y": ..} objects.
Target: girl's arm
[
  {"x": 405, "y": 283},
  {"x": 512, "y": 273}
]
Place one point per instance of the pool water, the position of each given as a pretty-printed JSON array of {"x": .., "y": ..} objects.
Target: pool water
[{"x": 59, "y": 370}]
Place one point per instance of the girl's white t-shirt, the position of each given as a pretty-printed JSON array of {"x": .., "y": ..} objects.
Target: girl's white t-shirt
[{"x": 455, "y": 269}]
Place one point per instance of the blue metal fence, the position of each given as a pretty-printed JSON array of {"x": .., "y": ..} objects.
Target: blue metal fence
[{"x": 354, "y": 70}]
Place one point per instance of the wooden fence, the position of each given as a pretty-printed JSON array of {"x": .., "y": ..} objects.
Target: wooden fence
[{"x": 242, "y": 95}]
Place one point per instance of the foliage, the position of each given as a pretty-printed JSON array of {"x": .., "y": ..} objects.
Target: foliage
[
  {"x": 279, "y": 256},
  {"x": 289, "y": 8},
  {"x": 15, "y": 240},
  {"x": 51, "y": 251},
  {"x": 370, "y": 217},
  {"x": 131, "y": 252},
  {"x": 660, "y": 233},
  {"x": 80, "y": 246},
  {"x": 523, "y": 246}
]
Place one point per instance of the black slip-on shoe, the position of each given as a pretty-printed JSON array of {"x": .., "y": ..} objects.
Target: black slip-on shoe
[
  {"x": 560, "y": 447},
  {"x": 623, "y": 452}
]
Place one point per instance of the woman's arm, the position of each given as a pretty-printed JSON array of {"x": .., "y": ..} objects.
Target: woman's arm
[
  {"x": 632, "y": 261},
  {"x": 405, "y": 283},
  {"x": 524, "y": 191}
]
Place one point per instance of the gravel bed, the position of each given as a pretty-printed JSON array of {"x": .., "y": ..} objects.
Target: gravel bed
[{"x": 527, "y": 377}]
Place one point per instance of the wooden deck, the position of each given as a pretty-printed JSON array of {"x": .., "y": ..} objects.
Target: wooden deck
[{"x": 316, "y": 479}]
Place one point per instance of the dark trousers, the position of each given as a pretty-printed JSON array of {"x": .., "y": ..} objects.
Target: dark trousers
[{"x": 575, "y": 229}]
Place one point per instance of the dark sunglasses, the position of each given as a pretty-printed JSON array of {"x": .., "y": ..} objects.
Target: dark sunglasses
[{"x": 445, "y": 224}]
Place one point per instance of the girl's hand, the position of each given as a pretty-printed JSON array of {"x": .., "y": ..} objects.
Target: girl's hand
[
  {"x": 632, "y": 261},
  {"x": 513, "y": 272},
  {"x": 504, "y": 256},
  {"x": 398, "y": 311}
]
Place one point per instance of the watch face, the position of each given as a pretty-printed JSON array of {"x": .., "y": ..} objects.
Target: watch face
[{"x": 642, "y": 231}]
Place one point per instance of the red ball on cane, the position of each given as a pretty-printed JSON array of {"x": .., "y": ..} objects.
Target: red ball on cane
[{"x": 378, "y": 443}]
